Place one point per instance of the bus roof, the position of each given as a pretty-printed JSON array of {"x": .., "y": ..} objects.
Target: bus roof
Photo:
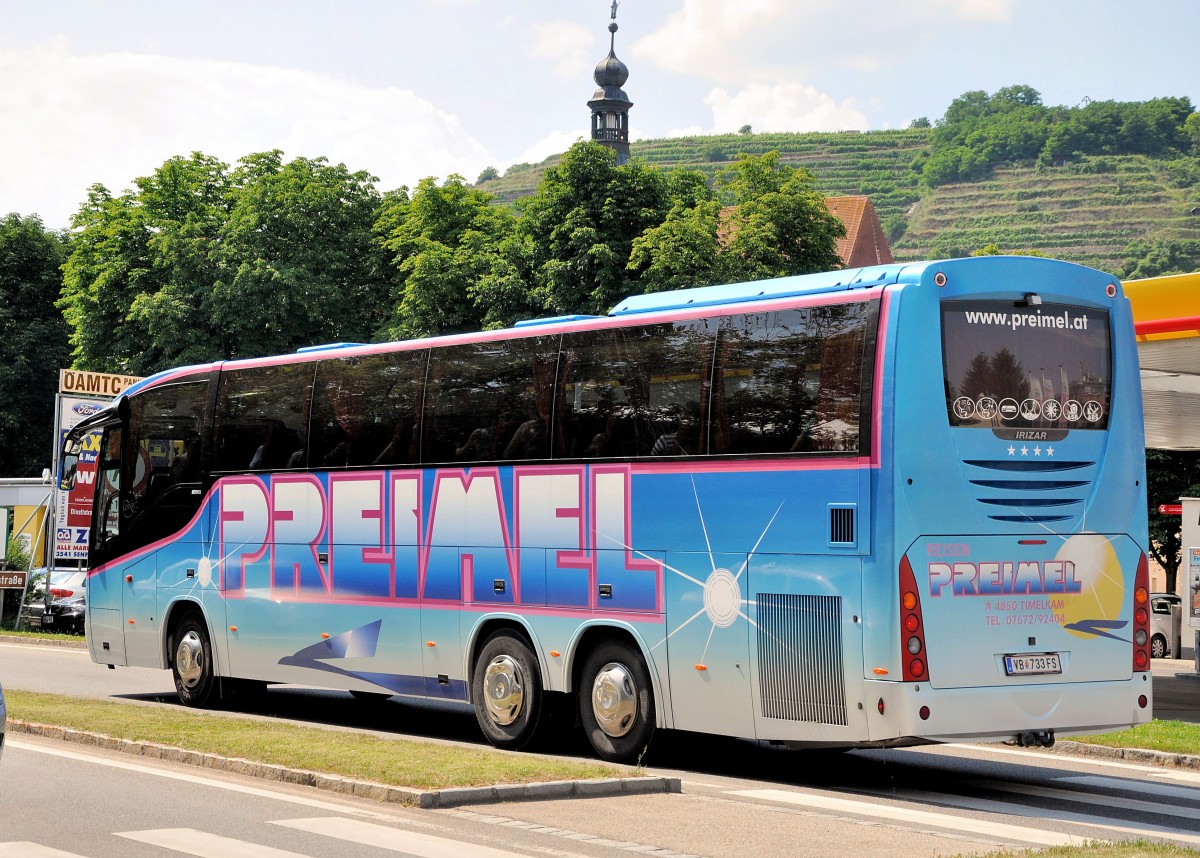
[
  {"x": 826, "y": 282},
  {"x": 762, "y": 290}
]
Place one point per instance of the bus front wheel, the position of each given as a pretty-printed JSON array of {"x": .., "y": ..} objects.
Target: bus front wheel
[
  {"x": 616, "y": 703},
  {"x": 192, "y": 664},
  {"x": 506, "y": 691}
]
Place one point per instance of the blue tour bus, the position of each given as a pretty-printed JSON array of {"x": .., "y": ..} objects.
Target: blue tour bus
[{"x": 887, "y": 506}]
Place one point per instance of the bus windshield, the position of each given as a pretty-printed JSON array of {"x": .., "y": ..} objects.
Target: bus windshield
[{"x": 1043, "y": 366}]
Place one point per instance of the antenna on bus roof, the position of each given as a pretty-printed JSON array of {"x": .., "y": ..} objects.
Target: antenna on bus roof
[
  {"x": 327, "y": 347},
  {"x": 553, "y": 320}
]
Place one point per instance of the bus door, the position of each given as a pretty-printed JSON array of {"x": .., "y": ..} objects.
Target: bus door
[
  {"x": 441, "y": 634},
  {"x": 708, "y": 648},
  {"x": 139, "y": 607}
]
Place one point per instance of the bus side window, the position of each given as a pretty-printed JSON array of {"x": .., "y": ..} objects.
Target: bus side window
[
  {"x": 490, "y": 402},
  {"x": 366, "y": 410},
  {"x": 637, "y": 391},
  {"x": 788, "y": 381},
  {"x": 261, "y": 418}
]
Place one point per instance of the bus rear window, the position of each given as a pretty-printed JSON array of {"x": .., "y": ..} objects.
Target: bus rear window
[{"x": 1012, "y": 366}]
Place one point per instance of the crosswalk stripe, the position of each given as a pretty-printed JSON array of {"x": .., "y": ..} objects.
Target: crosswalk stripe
[
  {"x": 1090, "y": 798},
  {"x": 1141, "y": 787},
  {"x": 977, "y": 827},
  {"x": 1105, "y": 822},
  {"x": 395, "y": 839},
  {"x": 25, "y": 849},
  {"x": 192, "y": 842}
]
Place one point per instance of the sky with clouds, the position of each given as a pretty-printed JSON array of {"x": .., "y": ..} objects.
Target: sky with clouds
[{"x": 105, "y": 92}]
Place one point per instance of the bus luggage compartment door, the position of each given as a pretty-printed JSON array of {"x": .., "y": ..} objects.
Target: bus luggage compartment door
[{"x": 708, "y": 648}]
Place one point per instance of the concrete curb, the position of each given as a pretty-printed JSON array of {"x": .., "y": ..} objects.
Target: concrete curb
[
  {"x": 80, "y": 643},
  {"x": 1137, "y": 756},
  {"x": 369, "y": 790}
]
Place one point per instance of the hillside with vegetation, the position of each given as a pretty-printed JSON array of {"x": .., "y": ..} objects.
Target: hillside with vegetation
[{"x": 1105, "y": 184}]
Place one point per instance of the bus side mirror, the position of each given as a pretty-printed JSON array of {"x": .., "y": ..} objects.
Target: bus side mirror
[{"x": 69, "y": 465}]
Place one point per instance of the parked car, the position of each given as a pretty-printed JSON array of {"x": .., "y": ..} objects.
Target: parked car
[
  {"x": 65, "y": 615},
  {"x": 1165, "y": 612},
  {"x": 3, "y": 718},
  {"x": 65, "y": 584}
]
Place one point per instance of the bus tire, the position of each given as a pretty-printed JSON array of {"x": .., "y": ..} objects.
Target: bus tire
[
  {"x": 192, "y": 663},
  {"x": 506, "y": 691},
  {"x": 616, "y": 702}
]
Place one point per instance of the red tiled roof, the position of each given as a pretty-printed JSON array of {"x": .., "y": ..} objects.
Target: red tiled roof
[{"x": 864, "y": 243}]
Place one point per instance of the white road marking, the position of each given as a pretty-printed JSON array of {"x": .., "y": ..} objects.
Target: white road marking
[
  {"x": 990, "y": 806},
  {"x": 25, "y": 849},
  {"x": 1154, "y": 771},
  {"x": 933, "y": 819},
  {"x": 395, "y": 839},
  {"x": 1099, "y": 782},
  {"x": 192, "y": 842},
  {"x": 1090, "y": 798},
  {"x": 196, "y": 779}
]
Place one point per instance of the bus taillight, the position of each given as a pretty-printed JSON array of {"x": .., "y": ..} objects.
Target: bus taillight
[
  {"x": 1141, "y": 616},
  {"x": 912, "y": 627}
]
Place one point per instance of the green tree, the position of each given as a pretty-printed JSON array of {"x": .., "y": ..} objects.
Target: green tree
[
  {"x": 579, "y": 228},
  {"x": 682, "y": 251},
  {"x": 1170, "y": 475},
  {"x": 779, "y": 224},
  {"x": 299, "y": 252},
  {"x": 1160, "y": 256},
  {"x": 443, "y": 241},
  {"x": 150, "y": 248},
  {"x": 33, "y": 343},
  {"x": 198, "y": 263},
  {"x": 1191, "y": 127}
]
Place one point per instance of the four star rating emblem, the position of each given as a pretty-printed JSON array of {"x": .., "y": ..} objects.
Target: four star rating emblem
[{"x": 1037, "y": 451}]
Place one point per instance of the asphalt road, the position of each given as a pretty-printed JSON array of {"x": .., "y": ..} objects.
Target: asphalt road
[{"x": 738, "y": 798}]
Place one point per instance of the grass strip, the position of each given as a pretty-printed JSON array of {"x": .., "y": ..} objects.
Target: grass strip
[
  {"x": 1104, "y": 849},
  {"x": 397, "y": 762},
  {"x": 1170, "y": 737}
]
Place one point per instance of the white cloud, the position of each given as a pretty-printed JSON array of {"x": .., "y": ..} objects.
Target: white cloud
[
  {"x": 74, "y": 120},
  {"x": 567, "y": 46},
  {"x": 783, "y": 107},
  {"x": 736, "y": 43}
]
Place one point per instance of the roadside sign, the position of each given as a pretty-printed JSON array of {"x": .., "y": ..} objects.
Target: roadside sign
[
  {"x": 12, "y": 580},
  {"x": 102, "y": 385},
  {"x": 1170, "y": 509},
  {"x": 81, "y": 394}
]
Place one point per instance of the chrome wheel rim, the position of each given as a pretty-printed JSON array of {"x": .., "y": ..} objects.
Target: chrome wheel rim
[
  {"x": 503, "y": 690},
  {"x": 189, "y": 660},
  {"x": 615, "y": 699}
]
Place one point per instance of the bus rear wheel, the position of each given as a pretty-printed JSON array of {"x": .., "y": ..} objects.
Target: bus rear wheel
[
  {"x": 506, "y": 690},
  {"x": 616, "y": 703},
  {"x": 192, "y": 663}
]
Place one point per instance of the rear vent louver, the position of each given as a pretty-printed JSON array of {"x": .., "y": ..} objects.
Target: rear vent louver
[
  {"x": 841, "y": 526},
  {"x": 800, "y": 658},
  {"x": 1035, "y": 493}
]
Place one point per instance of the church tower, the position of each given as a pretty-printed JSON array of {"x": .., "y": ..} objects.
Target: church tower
[{"x": 610, "y": 105}]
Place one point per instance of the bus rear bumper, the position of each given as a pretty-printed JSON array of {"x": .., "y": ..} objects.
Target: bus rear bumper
[{"x": 904, "y": 713}]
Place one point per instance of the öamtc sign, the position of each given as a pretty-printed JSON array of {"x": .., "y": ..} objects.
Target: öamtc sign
[{"x": 84, "y": 383}]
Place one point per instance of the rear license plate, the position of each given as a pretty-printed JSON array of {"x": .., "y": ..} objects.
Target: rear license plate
[
  {"x": 47, "y": 619},
  {"x": 1032, "y": 664}
]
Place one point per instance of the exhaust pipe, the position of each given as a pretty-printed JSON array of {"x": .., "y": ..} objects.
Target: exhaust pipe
[{"x": 1036, "y": 739}]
